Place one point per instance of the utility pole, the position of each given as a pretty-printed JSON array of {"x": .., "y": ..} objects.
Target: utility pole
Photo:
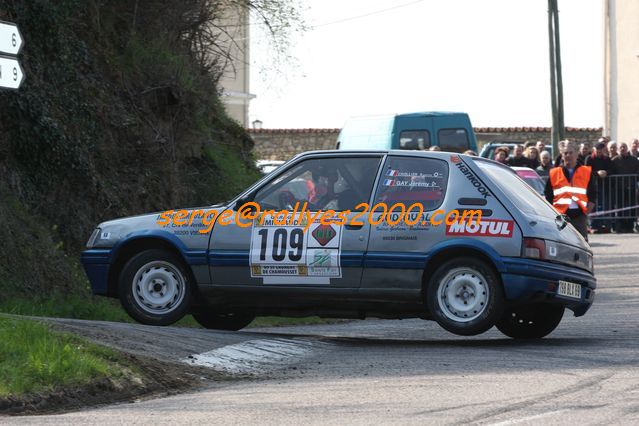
[{"x": 556, "y": 82}]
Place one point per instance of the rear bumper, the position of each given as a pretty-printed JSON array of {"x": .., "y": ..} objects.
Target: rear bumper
[
  {"x": 527, "y": 280},
  {"x": 96, "y": 263}
]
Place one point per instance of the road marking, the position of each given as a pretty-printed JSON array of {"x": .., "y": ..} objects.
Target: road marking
[
  {"x": 255, "y": 357},
  {"x": 529, "y": 418}
]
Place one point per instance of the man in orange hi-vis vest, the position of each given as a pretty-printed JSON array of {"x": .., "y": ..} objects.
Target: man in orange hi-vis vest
[{"x": 571, "y": 187}]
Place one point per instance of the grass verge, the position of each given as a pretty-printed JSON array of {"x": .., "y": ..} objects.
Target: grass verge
[
  {"x": 106, "y": 309},
  {"x": 36, "y": 359}
]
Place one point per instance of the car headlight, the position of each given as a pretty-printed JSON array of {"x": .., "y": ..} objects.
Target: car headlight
[{"x": 94, "y": 236}]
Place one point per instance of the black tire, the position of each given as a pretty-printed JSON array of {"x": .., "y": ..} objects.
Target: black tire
[
  {"x": 228, "y": 321},
  {"x": 531, "y": 321},
  {"x": 155, "y": 287},
  {"x": 465, "y": 296}
]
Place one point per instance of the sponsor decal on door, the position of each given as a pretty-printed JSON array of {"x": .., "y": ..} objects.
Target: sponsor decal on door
[{"x": 485, "y": 228}]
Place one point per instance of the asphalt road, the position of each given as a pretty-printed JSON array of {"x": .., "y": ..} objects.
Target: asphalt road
[{"x": 408, "y": 372}]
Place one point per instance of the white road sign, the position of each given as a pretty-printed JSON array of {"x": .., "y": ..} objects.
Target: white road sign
[
  {"x": 11, "y": 75},
  {"x": 10, "y": 38}
]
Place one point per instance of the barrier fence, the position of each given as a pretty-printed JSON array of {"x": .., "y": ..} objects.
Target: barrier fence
[{"x": 617, "y": 203}]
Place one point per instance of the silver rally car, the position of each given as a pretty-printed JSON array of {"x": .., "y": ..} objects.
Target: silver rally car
[{"x": 518, "y": 268}]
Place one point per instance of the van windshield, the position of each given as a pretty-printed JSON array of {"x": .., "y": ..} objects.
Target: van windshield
[
  {"x": 518, "y": 192},
  {"x": 368, "y": 133}
]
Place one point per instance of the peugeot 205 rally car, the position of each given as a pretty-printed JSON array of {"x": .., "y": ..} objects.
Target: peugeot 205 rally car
[{"x": 518, "y": 268}]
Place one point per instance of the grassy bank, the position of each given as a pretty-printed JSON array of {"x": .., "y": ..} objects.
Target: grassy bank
[
  {"x": 36, "y": 359},
  {"x": 105, "y": 309}
]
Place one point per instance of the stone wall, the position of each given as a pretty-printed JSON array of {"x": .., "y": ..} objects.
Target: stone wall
[{"x": 282, "y": 144}]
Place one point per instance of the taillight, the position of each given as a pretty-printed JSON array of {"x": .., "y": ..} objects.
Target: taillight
[{"x": 534, "y": 248}]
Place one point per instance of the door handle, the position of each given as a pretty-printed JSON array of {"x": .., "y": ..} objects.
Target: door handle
[{"x": 350, "y": 226}]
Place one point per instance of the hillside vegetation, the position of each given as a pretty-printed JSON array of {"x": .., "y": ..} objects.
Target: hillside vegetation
[{"x": 119, "y": 114}]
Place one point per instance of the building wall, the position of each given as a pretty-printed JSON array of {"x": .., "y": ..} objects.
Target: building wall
[
  {"x": 621, "y": 45},
  {"x": 282, "y": 144},
  {"x": 236, "y": 77}
]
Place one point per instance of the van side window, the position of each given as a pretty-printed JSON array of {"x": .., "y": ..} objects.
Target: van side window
[
  {"x": 408, "y": 180},
  {"x": 414, "y": 139},
  {"x": 453, "y": 140}
]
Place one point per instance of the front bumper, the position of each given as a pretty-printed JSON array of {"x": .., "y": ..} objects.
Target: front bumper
[
  {"x": 527, "y": 280},
  {"x": 96, "y": 263}
]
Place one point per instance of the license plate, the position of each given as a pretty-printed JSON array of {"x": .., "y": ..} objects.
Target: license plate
[{"x": 569, "y": 289}]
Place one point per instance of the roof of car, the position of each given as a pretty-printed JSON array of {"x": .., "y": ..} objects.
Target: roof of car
[{"x": 403, "y": 152}]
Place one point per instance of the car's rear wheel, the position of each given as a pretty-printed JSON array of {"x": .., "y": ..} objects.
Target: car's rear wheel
[
  {"x": 154, "y": 287},
  {"x": 530, "y": 321},
  {"x": 228, "y": 321},
  {"x": 465, "y": 296}
]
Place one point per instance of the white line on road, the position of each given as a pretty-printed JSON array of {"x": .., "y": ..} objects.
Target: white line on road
[
  {"x": 255, "y": 356},
  {"x": 529, "y": 418}
]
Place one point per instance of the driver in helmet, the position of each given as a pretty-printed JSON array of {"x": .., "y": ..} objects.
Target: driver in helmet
[{"x": 321, "y": 188}]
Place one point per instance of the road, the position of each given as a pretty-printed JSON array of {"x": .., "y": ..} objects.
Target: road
[{"x": 409, "y": 372}]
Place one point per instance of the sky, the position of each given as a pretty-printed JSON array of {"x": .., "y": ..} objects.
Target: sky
[{"x": 488, "y": 58}]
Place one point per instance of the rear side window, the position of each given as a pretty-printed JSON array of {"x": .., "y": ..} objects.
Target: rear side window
[
  {"x": 409, "y": 180},
  {"x": 453, "y": 140},
  {"x": 414, "y": 139}
]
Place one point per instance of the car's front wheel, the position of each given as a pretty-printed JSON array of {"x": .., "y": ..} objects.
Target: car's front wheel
[
  {"x": 530, "y": 321},
  {"x": 465, "y": 296},
  {"x": 229, "y": 321},
  {"x": 154, "y": 287}
]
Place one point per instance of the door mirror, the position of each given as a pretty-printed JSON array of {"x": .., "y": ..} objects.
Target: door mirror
[{"x": 240, "y": 202}]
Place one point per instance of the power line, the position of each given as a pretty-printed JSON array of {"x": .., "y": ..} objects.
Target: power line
[{"x": 339, "y": 21}]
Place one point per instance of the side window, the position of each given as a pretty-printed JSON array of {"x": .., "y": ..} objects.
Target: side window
[
  {"x": 324, "y": 183},
  {"x": 414, "y": 139},
  {"x": 409, "y": 180},
  {"x": 453, "y": 140}
]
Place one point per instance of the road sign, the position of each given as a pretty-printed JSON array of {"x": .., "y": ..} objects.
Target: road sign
[
  {"x": 11, "y": 74},
  {"x": 10, "y": 38}
]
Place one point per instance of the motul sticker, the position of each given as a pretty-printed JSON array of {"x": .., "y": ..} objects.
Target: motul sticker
[{"x": 485, "y": 228}]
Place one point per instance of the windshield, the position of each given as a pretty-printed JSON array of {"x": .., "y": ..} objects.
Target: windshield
[{"x": 518, "y": 192}]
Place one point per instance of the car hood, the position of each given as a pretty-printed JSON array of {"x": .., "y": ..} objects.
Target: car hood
[{"x": 113, "y": 231}]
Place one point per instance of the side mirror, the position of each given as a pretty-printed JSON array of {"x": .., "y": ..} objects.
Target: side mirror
[{"x": 240, "y": 202}]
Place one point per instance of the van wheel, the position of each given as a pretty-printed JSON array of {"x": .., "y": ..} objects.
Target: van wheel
[
  {"x": 465, "y": 296},
  {"x": 154, "y": 287},
  {"x": 531, "y": 321},
  {"x": 229, "y": 321}
]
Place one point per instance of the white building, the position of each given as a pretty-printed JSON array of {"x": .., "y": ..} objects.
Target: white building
[
  {"x": 236, "y": 77},
  {"x": 621, "y": 72}
]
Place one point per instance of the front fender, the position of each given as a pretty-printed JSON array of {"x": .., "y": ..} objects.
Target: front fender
[{"x": 191, "y": 257}]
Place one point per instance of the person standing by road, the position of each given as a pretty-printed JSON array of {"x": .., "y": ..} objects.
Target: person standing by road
[
  {"x": 612, "y": 149},
  {"x": 634, "y": 148},
  {"x": 601, "y": 168},
  {"x": 518, "y": 159},
  {"x": 571, "y": 187},
  {"x": 559, "y": 159},
  {"x": 545, "y": 166},
  {"x": 501, "y": 155},
  {"x": 627, "y": 166},
  {"x": 584, "y": 151},
  {"x": 533, "y": 157}
]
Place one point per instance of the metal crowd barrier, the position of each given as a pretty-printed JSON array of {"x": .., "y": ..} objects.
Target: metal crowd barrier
[{"x": 617, "y": 204}]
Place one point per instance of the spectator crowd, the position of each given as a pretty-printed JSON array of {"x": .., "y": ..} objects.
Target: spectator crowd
[{"x": 615, "y": 169}]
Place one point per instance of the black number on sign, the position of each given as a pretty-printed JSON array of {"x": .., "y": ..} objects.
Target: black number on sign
[
  {"x": 15, "y": 74},
  {"x": 14, "y": 40},
  {"x": 264, "y": 234},
  {"x": 279, "y": 245},
  {"x": 297, "y": 242}
]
